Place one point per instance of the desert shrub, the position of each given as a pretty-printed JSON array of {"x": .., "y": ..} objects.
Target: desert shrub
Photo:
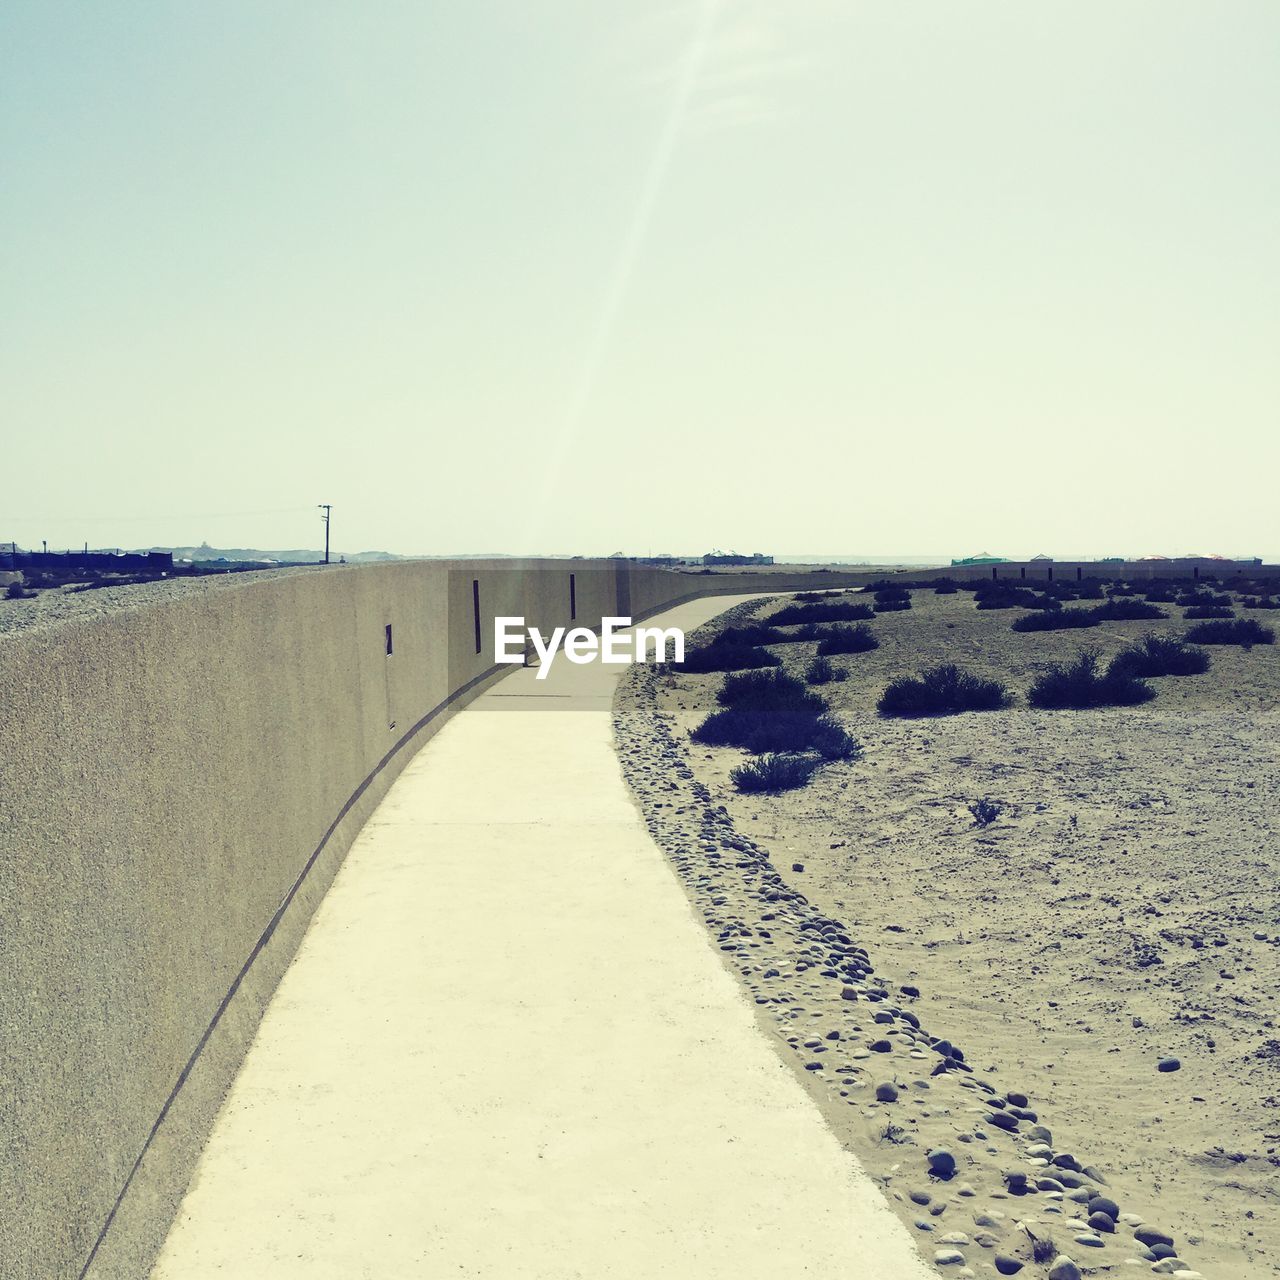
[
  {"x": 764, "y": 689},
  {"x": 887, "y": 587},
  {"x": 1242, "y": 631},
  {"x": 1159, "y": 656},
  {"x": 758, "y": 729},
  {"x": 1078, "y": 685},
  {"x": 892, "y": 604},
  {"x": 1121, "y": 589},
  {"x": 1160, "y": 595},
  {"x": 1056, "y": 620},
  {"x": 764, "y": 729},
  {"x": 1004, "y": 595},
  {"x": 772, "y": 711},
  {"x": 942, "y": 691},
  {"x": 795, "y": 614},
  {"x": 751, "y": 634},
  {"x": 1261, "y": 602},
  {"x": 857, "y": 639},
  {"x": 1123, "y": 610},
  {"x": 15, "y": 591},
  {"x": 1209, "y": 611},
  {"x": 832, "y": 742},
  {"x": 812, "y": 597},
  {"x": 726, "y": 657},
  {"x": 998, "y": 599},
  {"x": 759, "y": 634},
  {"x": 1043, "y": 1249},
  {"x": 985, "y": 812},
  {"x": 945, "y": 588},
  {"x": 773, "y": 772},
  {"x": 823, "y": 671}
]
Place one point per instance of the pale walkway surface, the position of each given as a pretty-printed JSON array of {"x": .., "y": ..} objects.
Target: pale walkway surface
[{"x": 508, "y": 1049}]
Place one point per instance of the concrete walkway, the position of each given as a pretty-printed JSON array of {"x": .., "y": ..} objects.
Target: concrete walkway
[{"x": 508, "y": 1049}]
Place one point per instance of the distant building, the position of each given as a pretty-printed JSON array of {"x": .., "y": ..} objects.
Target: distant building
[
  {"x": 98, "y": 561},
  {"x": 733, "y": 558},
  {"x": 983, "y": 557}
]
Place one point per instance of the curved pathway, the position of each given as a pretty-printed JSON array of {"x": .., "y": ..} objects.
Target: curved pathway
[{"x": 507, "y": 1048}]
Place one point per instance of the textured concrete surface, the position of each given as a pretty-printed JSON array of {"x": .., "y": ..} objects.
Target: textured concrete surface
[
  {"x": 182, "y": 768},
  {"x": 179, "y": 780},
  {"x": 507, "y": 1048}
]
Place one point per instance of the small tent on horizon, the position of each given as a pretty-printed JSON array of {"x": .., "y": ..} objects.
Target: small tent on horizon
[{"x": 983, "y": 557}]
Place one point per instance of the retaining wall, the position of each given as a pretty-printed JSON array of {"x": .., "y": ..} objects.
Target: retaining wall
[{"x": 179, "y": 782}]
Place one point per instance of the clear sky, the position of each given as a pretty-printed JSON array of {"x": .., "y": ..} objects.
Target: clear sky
[{"x": 594, "y": 275}]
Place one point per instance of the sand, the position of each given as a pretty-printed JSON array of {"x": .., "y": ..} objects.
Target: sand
[{"x": 1123, "y": 908}]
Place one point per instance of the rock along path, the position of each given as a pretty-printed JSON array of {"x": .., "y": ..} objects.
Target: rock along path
[{"x": 508, "y": 1048}]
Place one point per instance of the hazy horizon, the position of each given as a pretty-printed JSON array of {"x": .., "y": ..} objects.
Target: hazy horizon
[
  {"x": 905, "y": 558},
  {"x": 583, "y": 276}
]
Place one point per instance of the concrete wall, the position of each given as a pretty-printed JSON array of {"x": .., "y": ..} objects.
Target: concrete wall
[{"x": 178, "y": 785}]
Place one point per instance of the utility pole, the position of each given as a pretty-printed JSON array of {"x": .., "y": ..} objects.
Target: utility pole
[{"x": 326, "y": 507}]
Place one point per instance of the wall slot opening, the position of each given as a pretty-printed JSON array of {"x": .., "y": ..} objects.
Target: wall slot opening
[
  {"x": 388, "y": 639},
  {"x": 573, "y": 597},
  {"x": 475, "y": 609}
]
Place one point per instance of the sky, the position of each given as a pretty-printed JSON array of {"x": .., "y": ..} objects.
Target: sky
[{"x": 581, "y": 276}]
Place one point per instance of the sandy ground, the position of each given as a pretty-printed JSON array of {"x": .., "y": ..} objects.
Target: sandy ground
[
  {"x": 1123, "y": 908},
  {"x": 505, "y": 1049}
]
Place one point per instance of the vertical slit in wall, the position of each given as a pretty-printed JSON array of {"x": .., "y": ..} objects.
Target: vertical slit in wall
[
  {"x": 1022, "y": 573},
  {"x": 573, "y": 597},
  {"x": 993, "y": 573},
  {"x": 1079, "y": 573},
  {"x": 1050, "y": 573},
  {"x": 475, "y": 610},
  {"x": 386, "y": 675}
]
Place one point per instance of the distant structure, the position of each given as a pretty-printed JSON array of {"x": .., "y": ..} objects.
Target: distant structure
[
  {"x": 98, "y": 561},
  {"x": 983, "y": 557},
  {"x": 733, "y": 558},
  {"x": 1183, "y": 563}
]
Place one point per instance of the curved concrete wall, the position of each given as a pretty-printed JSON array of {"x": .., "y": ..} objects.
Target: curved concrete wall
[{"x": 178, "y": 784}]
